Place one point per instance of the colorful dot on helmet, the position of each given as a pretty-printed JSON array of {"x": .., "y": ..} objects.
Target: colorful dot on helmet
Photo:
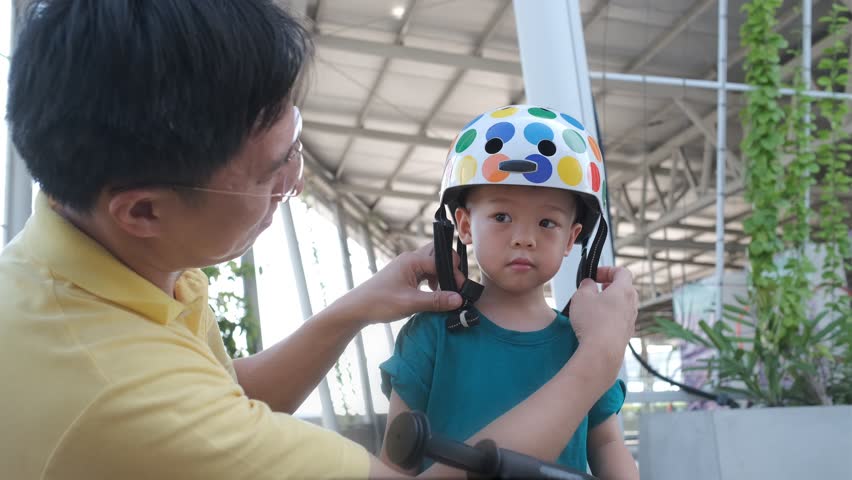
[
  {"x": 541, "y": 136},
  {"x": 465, "y": 170},
  {"x": 491, "y": 168},
  {"x": 596, "y": 177},
  {"x": 504, "y": 112},
  {"x": 542, "y": 113},
  {"x": 544, "y": 171},
  {"x": 570, "y": 171},
  {"x": 573, "y": 121},
  {"x": 497, "y": 135},
  {"x": 465, "y": 140},
  {"x": 595, "y": 149},
  {"x": 472, "y": 121},
  {"x": 574, "y": 140}
]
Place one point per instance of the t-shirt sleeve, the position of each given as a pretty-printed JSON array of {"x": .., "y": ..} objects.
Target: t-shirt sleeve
[
  {"x": 609, "y": 404},
  {"x": 409, "y": 370},
  {"x": 179, "y": 414}
]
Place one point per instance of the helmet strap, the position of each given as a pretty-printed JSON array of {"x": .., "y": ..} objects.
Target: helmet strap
[
  {"x": 590, "y": 258},
  {"x": 443, "y": 231}
]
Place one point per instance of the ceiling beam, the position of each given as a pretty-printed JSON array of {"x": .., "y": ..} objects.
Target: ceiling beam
[
  {"x": 675, "y": 215},
  {"x": 437, "y": 57},
  {"x": 385, "y": 135},
  {"x": 382, "y": 192},
  {"x": 669, "y": 35}
]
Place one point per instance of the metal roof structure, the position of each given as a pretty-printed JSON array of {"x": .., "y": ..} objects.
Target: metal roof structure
[{"x": 394, "y": 80}]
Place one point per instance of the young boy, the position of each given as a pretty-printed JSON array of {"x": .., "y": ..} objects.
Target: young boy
[{"x": 523, "y": 184}]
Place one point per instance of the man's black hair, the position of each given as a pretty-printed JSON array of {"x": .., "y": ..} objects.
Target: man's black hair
[{"x": 122, "y": 93}]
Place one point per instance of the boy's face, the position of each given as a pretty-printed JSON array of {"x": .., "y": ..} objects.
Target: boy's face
[{"x": 519, "y": 234}]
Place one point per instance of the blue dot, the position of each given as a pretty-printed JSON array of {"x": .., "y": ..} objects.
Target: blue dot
[
  {"x": 545, "y": 169},
  {"x": 572, "y": 121},
  {"x": 503, "y": 130},
  {"x": 536, "y": 132},
  {"x": 472, "y": 122}
]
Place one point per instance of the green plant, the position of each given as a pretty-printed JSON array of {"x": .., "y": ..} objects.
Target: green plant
[
  {"x": 762, "y": 149},
  {"x": 787, "y": 354},
  {"x": 232, "y": 314},
  {"x": 833, "y": 154}
]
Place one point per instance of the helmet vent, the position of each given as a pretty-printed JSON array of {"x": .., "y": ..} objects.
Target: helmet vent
[{"x": 518, "y": 166}]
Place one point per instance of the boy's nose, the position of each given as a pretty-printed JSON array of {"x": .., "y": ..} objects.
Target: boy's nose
[{"x": 523, "y": 239}]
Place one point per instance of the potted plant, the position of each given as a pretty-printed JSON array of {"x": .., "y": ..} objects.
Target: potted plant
[{"x": 786, "y": 343}]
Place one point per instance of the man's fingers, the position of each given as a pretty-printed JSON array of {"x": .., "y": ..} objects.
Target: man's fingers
[
  {"x": 437, "y": 301},
  {"x": 605, "y": 274},
  {"x": 587, "y": 285}
]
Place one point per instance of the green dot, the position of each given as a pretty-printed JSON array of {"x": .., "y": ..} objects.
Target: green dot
[
  {"x": 465, "y": 140},
  {"x": 574, "y": 140},
  {"x": 541, "y": 113},
  {"x": 603, "y": 194}
]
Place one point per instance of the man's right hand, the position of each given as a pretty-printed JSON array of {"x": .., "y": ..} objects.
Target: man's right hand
[{"x": 605, "y": 320}]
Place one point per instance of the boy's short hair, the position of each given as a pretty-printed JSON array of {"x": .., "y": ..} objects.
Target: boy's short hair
[{"x": 133, "y": 93}]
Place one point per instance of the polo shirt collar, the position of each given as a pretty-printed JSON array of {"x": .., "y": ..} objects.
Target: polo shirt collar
[{"x": 73, "y": 255}]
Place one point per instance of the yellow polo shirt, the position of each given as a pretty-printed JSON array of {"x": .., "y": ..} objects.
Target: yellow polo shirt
[{"x": 104, "y": 376}]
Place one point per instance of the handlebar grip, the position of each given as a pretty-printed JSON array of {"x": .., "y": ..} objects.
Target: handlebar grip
[
  {"x": 512, "y": 464},
  {"x": 410, "y": 438}
]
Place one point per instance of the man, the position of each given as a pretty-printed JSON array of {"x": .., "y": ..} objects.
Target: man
[{"x": 164, "y": 134}]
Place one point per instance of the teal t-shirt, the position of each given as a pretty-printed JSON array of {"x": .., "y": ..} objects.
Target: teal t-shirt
[{"x": 464, "y": 380}]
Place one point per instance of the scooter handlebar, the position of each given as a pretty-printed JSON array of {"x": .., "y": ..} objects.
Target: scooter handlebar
[{"x": 410, "y": 439}]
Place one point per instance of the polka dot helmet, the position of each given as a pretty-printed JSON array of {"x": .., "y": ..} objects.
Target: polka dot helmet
[{"x": 528, "y": 145}]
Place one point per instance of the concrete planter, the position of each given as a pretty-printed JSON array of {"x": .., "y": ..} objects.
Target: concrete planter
[{"x": 767, "y": 443}]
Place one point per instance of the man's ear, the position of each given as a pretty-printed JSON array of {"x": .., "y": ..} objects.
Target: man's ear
[
  {"x": 463, "y": 222},
  {"x": 138, "y": 212},
  {"x": 573, "y": 233}
]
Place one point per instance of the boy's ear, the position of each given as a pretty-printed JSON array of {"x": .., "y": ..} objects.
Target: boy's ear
[
  {"x": 573, "y": 233},
  {"x": 463, "y": 222}
]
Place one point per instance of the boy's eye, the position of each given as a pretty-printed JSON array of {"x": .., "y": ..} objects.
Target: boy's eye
[
  {"x": 547, "y": 223},
  {"x": 502, "y": 218}
]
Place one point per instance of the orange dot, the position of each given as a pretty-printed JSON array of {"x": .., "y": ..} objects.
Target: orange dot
[
  {"x": 595, "y": 149},
  {"x": 491, "y": 168}
]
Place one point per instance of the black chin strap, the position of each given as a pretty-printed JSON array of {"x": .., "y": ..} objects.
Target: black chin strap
[
  {"x": 443, "y": 233},
  {"x": 591, "y": 256}
]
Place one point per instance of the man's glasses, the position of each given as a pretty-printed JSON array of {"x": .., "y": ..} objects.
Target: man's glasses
[{"x": 295, "y": 186}]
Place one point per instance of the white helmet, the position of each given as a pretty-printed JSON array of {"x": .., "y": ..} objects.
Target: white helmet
[
  {"x": 532, "y": 146},
  {"x": 523, "y": 145}
]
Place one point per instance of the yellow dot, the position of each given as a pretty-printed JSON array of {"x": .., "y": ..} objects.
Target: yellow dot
[
  {"x": 465, "y": 169},
  {"x": 570, "y": 171},
  {"x": 504, "y": 112}
]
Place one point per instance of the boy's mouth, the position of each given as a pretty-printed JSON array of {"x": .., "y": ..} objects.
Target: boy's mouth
[{"x": 521, "y": 263}]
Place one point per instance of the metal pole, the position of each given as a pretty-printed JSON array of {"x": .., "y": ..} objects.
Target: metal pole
[
  {"x": 329, "y": 420},
  {"x": 359, "y": 340},
  {"x": 252, "y": 304},
  {"x": 721, "y": 127},
  {"x": 19, "y": 184},
  {"x": 684, "y": 83},
  {"x": 650, "y": 254},
  {"x": 371, "y": 260},
  {"x": 807, "y": 20}
]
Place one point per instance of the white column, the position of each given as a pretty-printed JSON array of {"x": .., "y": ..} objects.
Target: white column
[
  {"x": 329, "y": 420},
  {"x": 359, "y": 339},
  {"x": 556, "y": 75}
]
